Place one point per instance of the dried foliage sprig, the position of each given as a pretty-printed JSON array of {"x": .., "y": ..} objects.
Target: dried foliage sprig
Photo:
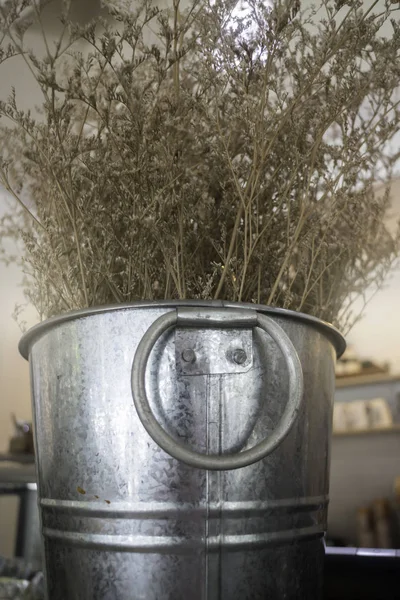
[{"x": 202, "y": 151}]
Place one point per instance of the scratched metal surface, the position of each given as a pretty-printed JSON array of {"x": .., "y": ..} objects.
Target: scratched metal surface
[{"x": 122, "y": 520}]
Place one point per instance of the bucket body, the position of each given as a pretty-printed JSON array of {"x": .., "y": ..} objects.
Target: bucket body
[{"x": 122, "y": 518}]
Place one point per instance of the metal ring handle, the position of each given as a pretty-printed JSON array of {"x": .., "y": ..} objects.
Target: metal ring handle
[{"x": 181, "y": 452}]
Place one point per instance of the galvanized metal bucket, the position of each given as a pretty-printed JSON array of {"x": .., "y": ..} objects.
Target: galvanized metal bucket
[{"x": 183, "y": 451}]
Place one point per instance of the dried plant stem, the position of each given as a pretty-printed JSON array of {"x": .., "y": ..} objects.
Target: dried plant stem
[{"x": 232, "y": 156}]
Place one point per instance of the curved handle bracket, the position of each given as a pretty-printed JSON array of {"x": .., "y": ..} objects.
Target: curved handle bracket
[{"x": 217, "y": 318}]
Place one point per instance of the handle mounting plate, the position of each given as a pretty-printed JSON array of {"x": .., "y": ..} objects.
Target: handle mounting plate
[{"x": 214, "y": 351}]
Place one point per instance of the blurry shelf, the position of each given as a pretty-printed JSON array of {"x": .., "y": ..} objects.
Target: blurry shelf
[
  {"x": 342, "y": 382},
  {"x": 18, "y": 458},
  {"x": 391, "y": 429}
]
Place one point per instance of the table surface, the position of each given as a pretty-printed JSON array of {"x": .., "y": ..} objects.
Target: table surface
[{"x": 14, "y": 473}]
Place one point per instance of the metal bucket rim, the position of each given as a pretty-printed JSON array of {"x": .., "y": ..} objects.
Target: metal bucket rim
[{"x": 34, "y": 332}]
